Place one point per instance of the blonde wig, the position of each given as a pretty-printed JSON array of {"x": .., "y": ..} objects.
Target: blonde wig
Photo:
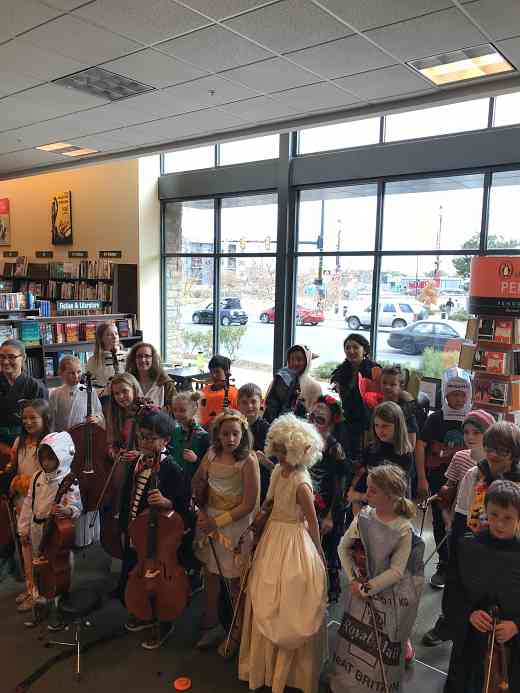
[{"x": 302, "y": 442}]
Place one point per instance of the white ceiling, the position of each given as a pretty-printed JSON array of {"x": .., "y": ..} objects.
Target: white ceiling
[{"x": 219, "y": 65}]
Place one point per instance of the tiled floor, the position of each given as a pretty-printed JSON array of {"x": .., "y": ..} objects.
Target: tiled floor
[{"x": 115, "y": 662}]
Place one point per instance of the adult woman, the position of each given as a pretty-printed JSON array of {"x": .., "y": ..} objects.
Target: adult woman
[
  {"x": 15, "y": 386},
  {"x": 109, "y": 357},
  {"x": 144, "y": 364}
]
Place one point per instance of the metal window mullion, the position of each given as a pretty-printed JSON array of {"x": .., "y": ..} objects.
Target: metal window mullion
[
  {"x": 376, "y": 276},
  {"x": 216, "y": 274},
  {"x": 162, "y": 282},
  {"x": 484, "y": 227},
  {"x": 382, "y": 129},
  {"x": 492, "y": 111}
]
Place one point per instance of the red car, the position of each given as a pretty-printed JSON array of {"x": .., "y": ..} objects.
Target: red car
[{"x": 304, "y": 316}]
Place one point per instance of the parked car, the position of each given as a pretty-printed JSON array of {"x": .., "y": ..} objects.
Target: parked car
[
  {"x": 426, "y": 333},
  {"x": 231, "y": 312},
  {"x": 304, "y": 316},
  {"x": 395, "y": 313}
]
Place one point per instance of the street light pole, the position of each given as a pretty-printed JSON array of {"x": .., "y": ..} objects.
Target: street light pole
[
  {"x": 320, "y": 243},
  {"x": 438, "y": 245},
  {"x": 338, "y": 247}
]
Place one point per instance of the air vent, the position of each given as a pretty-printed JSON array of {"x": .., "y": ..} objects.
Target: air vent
[{"x": 107, "y": 85}]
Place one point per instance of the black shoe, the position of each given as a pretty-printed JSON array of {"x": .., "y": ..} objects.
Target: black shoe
[
  {"x": 134, "y": 625},
  {"x": 159, "y": 637},
  {"x": 438, "y": 634},
  {"x": 438, "y": 579}
]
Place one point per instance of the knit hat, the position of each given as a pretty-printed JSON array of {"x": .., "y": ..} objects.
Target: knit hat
[{"x": 481, "y": 419}]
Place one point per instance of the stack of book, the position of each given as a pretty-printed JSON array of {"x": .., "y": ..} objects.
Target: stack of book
[{"x": 13, "y": 301}]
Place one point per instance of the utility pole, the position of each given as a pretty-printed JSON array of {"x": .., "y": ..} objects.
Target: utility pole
[
  {"x": 338, "y": 247},
  {"x": 438, "y": 246},
  {"x": 320, "y": 243}
]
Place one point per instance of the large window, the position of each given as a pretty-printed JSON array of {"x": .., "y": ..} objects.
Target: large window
[
  {"x": 254, "y": 149},
  {"x": 430, "y": 213},
  {"x": 189, "y": 159},
  {"x": 339, "y": 136},
  {"x": 507, "y": 109},
  {"x": 339, "y": 219},
  {"x": 503, "y": 230},
  {"x": 188, "y": 227},
  {"x": 439, "y": 120}
]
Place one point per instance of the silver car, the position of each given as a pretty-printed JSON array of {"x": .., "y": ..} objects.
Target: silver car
[{"x": 395, "y": 313}]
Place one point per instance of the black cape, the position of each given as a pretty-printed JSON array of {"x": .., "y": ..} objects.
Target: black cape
[{"x": 488, "y": 575}]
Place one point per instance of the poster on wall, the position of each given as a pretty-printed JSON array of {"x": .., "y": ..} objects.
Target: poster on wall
[
  {"x": 61, "y": 219},
  {"x": 5, "y": 225}
]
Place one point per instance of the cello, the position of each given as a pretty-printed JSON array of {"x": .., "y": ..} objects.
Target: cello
[
  {"x": 496, "y": 676},
  {"x": 51, "y": 565},
  {"x": 89, "y": 462},
  {"x": 157, "y": 587}
]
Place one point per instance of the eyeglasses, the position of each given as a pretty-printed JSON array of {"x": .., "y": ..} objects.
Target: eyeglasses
[
  {"x": 10, "y": 357},
  {"x": 316, "y": 418}
]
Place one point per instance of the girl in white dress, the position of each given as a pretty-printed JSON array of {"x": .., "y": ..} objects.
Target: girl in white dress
[
  {"x": 283, "y": 635},
  {"x": 232, "y": 474}
]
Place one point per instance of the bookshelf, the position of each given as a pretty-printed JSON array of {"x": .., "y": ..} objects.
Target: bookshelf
[
  {"x": 48, "y": 339},
  {"x": 493, "y": 356},
  {"x": 113, "y": 285}
]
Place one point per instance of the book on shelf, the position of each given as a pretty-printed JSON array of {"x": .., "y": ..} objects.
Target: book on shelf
[
  {"x": 472, "y": 329},
  {"x": 38, "y": 270},
  {"x": 499, "y": 393},
  {"x": 20, "y": 266},
  {"x": 123, "y": 327},
  {"x": 89, "y": 331},
  {"x": 72, "y": 332},
  {"x": 50, "y": 369},
  {"x": 7, "y": 332},
  {"x": 30, "y": 332},
  {"x": 13, "y": 301}
]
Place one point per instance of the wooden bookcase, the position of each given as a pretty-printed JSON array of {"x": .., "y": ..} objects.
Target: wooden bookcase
[
  {"x": 494, "y": 359},
  {"x": 40, "y": 336},
  {"x": 114, "y": 284}
]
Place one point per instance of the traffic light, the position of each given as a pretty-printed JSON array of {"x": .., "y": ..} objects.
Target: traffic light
[{"x": 267, "y": 243}]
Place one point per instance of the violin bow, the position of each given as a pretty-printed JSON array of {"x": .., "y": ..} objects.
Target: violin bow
[
  {"x": 104, "y": 489},
  {"x": 491, "y": 646},
  {"x": 219, "y": 568}
]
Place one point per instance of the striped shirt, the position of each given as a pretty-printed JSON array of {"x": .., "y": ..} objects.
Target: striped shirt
[{"x": 461, "y": 463}]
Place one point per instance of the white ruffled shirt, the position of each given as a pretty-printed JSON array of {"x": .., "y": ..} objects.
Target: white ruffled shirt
[{"x": 68, "y": 407}]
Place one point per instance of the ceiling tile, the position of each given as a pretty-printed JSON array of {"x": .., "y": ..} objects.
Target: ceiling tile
[
  {"x": 76, "y": 39},
  {"x": 148, "y": 22},
  {"x": 40, "y": 103},
  {"x": 21, "y": 15},
  {"x": 66, "y": 5},
  {"x": 199, "y": 122},
  {"x": 271, "y": 75},
  {"x": 36, "y": 62},
  {"x": 511, "y": 50},
  {"x": 29, "y": 158},
  {"x": 104, "y": 142},
  {"x": 368, "y": 14},
  {"x": 500, "y": 18},
  {"x": 12, "y": 82},
  {"x": 289, "y": 25},
  {"x": 207, "y": 92},
  {"x": 316, "y": 97},
  {"x": 390, "y": 81},
  {"x": 428, "y": 35},
  {"x": 153, "y": 68},
  {"x": 346, "y": 56},
  {"x": 220, "y": 9},
  {"x": 260, "y": 109},
  {"x": 214, "y": 48}
]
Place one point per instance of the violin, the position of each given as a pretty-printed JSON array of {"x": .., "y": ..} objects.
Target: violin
[
  {"x": 89, "y": 462},
  {"x": 157, "y": 587},
  {"x": 51, "y": 565},
  {"x": 496, "y": 676},
  {"x": 445, "y": 496}
]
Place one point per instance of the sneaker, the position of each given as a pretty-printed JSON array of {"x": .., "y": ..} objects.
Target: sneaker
[
  {"x": 211, "y": 637},
  {"x": 409, "y": 654},
  {"x": 159, "y": 638},
  {"x": 438, "y": 579},
  {"x": 134, "y": 625},
  {"x": 22, "y": 597}
]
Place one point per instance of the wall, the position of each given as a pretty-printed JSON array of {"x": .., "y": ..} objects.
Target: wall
[{"x": 105, "y": 211}]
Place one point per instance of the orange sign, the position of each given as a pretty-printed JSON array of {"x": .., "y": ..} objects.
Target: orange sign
[{"x": 495, "y": 285}]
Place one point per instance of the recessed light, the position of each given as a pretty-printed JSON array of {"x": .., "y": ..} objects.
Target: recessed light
[
  {"x": 104, "y": 84},
  {"x": 80, "y": 152},
  {"x": 457, "y": 66},
  {"x": 56, "y": 146}
]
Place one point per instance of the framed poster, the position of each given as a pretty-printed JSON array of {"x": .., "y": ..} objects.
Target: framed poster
[
  {"x": 431, "y": 387},
  {"x": 5, "y": 224},
  {"x": 61, "y": 219}
]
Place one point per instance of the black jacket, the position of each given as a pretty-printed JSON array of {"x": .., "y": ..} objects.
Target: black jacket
[{"x": 24, "y": 388}]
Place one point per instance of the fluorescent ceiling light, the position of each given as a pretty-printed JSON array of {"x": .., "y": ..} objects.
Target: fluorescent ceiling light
[
  {"x": 54, "y": 147},
  {"x": 103, "y": 84},
  {"x": 457, "y": 66},
  {"x": 80, "y": 152}
]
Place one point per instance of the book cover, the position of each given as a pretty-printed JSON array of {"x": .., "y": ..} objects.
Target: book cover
[
  {"x": 467, "y": 357},
  {"x": 49, "y": 366},
  {"x": 504, "y": 331},
  {"x": 490, "y": 391},
  {"x": 72, "y": 332},
  {"x": 486, "y": 329},
  {"x": 123, "y": 328},
  {"x": 472, "y": 329},
  {"x": 90, "y": 331},
  {"x": 496, "y": 362}
]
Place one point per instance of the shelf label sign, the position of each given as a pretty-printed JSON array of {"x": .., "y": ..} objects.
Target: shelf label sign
[
  {"x": 10, "y": 253},
  {"x": 495, "y": 285},
  {"x": 65, "y": 305},
  {"x": 44, "y": 253},
  {"x": 111, "y": 254},
  {"x": 78, "y": 253}
]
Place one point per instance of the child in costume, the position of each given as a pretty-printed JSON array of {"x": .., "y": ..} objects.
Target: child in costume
[
  {"x": 383, "y": 561},
  {"x": 283, "y": 636},
  {"x": 487, "y": 577},
  {"x": 293, "y": 389},
  {"x": 442, "y": 436},
  {"x": 189, "y": 441},
  {"x": 215, "y": 392}
]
